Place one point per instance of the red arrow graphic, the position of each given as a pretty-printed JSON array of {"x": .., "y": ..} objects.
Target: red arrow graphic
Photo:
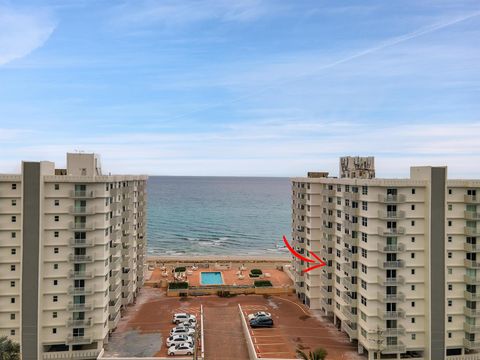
[{"x": 301, "y": 257}]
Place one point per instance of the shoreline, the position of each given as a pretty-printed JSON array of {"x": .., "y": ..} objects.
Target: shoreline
[{"x": 217, "y": 258}]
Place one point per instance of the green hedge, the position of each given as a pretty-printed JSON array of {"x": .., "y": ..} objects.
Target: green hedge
[
  {"x": 178, "y": 285},
  {"x": 262, "y": 283},
  {"x": 180, "y": 269},
  {"x": 253, "y": 275},
  {"x": 256, "y": 272}
]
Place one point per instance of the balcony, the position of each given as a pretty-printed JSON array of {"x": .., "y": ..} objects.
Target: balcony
[
  {"x": 391, "y": 215},
  {"x": 388, "y": 281},
  {"x": 349, "y": 240},
  {"x": 78, "y": 275},
  {"x": 80, "y": 258},
  {"x": 384, "y": 298},
  {"x": 389, "y": 315},
  {"x": 399, "y": 331},
  {"x": 326, "y": 306},
  {"x": 329, "y": 193},
  {"x": 328, "y": 230},
  {"x": 472, "y": 345},
  {"x": 348, "y": 300},
  {"x": 76, "y": 354},
  {"x": 350, "y": 329},
  {"x": 471, "y": 312},
  {"x": 391, "y": 231},
  {"x": 347, "y": 282},
  {"x": 82, "y": 194},
  {"x": 113, "y": 322},
  {"x": 394, "y": 349},
  {"x": 81, "y": 242},
  {"x": 347, "y": 267},
  {"x": 390, "y": 248},
  {"x": 115, "y": 305},
  {"x": 471, "y": 280},
  {"x": 350, "y": 226},
  {"x": 391, "y": 199},
  {"x": 79, "y": 323},
  {"x": 79, "y": 307},
  {"x": 471, "y": 328},
  {"x": 348, "y": 314},
  {"x": 82, "y": 226},
  {"x": 326, "y": 255},
  {"x": 471, "y": 247},
  {"x": 472, "y": 264},
  {"x": 472, "y": 199},
  {"x": 80, "y": 290},
  {"x": 78, "y": 340},
  {"x": 471, "y": 296},
  {"x": 82, "y": 210},
  {"x": 471, "y": 231},
  {"x": 471, "y": 215},
  {"x": 395, "y": 264},
  {"x": 325, "y": 279},
  {"x": 351, "y": 196}
]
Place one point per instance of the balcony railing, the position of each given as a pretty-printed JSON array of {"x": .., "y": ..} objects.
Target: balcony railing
[
  {"x": 471, "y": 328},
  {"x": 77, "y": 354},
  {"x": 351, "y": 196},
  {"x": 350, "y": 329},
  {"x": 79, "y": 307},
  {"x": 80, "y": 290},
  {"x": 82, "y": 226},
  {"x": 347, "y": 267},
  {"x": 473, "y": 264},
  {"x": 399, "y": 331},
  {"x": 471, "y": 296},
  {"x": 395, "y": 264},
  {"x": 79, "y": 323},
  {"x": 348, "y": 314},
  {"x": 81, "y": 242},
  {"x": 472, "y": 199},
  {"x": 394, "y": 349},
  {"x": 391, "y": 198},
  {"x": 472, "y": 215},
  {"x": 472, "y": 345},
  {"x": 386, "y": 315},
  {"x": 348, "y": 299},
  {"x": 391, "y": 215},
  {"x": 471, "y": 312},
  {"x": 471, "y": 231},
  {"x": 78, "y": 340},
  {"x": 389, "y": 281},
  {"x": 82, "y": 210},
  {"x": 328, "y": 307},
  {"x": 390, "y": 248},
  {"x": 347, "y": 282},
  {"x": 391, "y": 231},
  {"x": 351, "y": 241},
  {"x": 471, "y": 247},
  {"x": 325, "y": 279},
  {"x": 398, "y": 297},
  {"x": 80, "y": 274},
  {"x": 471, "y": 280},
  {"x": 80, "y": 258},
  {"x": 82, "y": 194}
]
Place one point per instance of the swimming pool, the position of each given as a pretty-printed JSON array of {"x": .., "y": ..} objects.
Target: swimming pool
[{"x": 211, "y": 278}]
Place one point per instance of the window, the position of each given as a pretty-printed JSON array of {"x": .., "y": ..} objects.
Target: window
[
  {"x": 449, "y": 238},
  {"x": 55, "y": 266},
  {"x": 364, "y": 190},
  {"x": 14, "y": 219},
  {"x": 54, "y": 330},
  {"x": 12, "y": 283},
  {"x": 449, "y": 302},
  {"x": 413, "y": 191},
  {"x": 414, "y": 336},
  {"x": 449, "y": 222},
  {"x": 12, "y": 332},
  {"x": 12, "y": 316},
  {"x": 449, "y": 319},
  {"x": 364, "y": 221},
  {"x": 413, "y": 238},
  {"x": 14, "y": 186},
  {"x": 364, "y": 253},
  {"x": 364, "y": 205},
  {"x": 449, "y": 255},
  {"x": 449, "y": 335},
  {"x": 364, "y": 237},
  {"x": 450, "y": 271},
  {"x": 413, "y": 271},
  {"x": 55, "y": 234},
  {"x": 13, "y": 251},
  {"x": 12, "y": 267},
  {"x": 363, "y": 300},
  {"x": 412, "y": 255},
  {"x": 57, "y": 186},
  {"x": 57, "y": 218},
  {"x": 55, "y": 282},
  {"x": 412, "y": 320},
  {"x": 364, "y": 268},
  {"x": 449, "y": 191},
  {"x": 450, "y": 207},
  {"x": 14, "y": 202},
  {"x": 450, "y": 287},
  {"x": 55, "y": 250},
  {"x": 12, "y": 300},
  {"x": 55, "y": 298},
  {"x": 14, "y": 235},
  {"x": 412, "y": 287},
  {"x": 364, "y": 284},
  {"x": 54, "y": 314},
  {"x": 57, "y": 202},
  {"x": 413, "y": 222}
]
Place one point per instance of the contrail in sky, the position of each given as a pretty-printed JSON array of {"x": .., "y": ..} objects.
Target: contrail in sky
[{"x": 386, "y": 44}]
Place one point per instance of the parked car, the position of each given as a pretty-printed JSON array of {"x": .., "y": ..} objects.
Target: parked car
[
  {"x": 182, "y": 330},
  {"x": 181, "y": 349},
  {"x": 179, "y": 339},
  {"x": 189, "y": 323},
  {"x": 259, "y": 313},
  {"x": 181, "y": 317},
  {"x": 261, "y": 321}
]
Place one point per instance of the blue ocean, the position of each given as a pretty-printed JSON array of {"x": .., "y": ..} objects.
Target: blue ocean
[{"x": 218, "y": 215}]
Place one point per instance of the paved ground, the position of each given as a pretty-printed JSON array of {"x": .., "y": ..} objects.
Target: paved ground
[
  {"x": 224, "y": 337},
  {"x": 295, "y": 327}
]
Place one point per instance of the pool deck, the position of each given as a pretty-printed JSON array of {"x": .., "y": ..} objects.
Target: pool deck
[{"x": 218, "y": 281}]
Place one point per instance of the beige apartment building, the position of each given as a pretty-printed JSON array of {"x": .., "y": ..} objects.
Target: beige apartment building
[
  {"x": 72, "y": 254},
  {"x": 402, "y": 270}
]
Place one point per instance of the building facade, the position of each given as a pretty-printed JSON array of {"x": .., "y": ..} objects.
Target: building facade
[
  {"x": 401, "y": 276},
  {"x": 72, "y": 254}
]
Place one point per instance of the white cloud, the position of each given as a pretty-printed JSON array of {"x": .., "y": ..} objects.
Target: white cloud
[{"x": 22, "y": 31}]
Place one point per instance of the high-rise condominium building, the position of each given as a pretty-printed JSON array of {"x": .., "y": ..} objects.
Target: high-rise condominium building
[
  {"x": 72, "y": 251},
  {"x": 402, "y": 276}
]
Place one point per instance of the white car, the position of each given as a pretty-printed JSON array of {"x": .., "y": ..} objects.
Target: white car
[
  {"x": 181, "y": 317},
  {"x": 179, "y": 339},
  {"x": 182, "y": 330},
  {"x": 181, "y": 349},
  {"x": 258, "y": 314},
  {"x": 189, "y": 323}
]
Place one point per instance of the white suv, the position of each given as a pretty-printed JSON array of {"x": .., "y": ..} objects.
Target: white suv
[
  {"x": 181, "y": 317},
  {"x": 182, "y": 349},
  {"x": 179, "y": 339},
  {"x": 182, "y": 330}
]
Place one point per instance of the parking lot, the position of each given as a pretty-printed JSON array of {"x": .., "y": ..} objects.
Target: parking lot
[{"x": 149, "y": 322}]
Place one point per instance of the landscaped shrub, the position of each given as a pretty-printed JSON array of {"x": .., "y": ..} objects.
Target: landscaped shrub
[
  {"x": 263, "y": 283},
  {"x": 256, "y": 272},
  {"x": 180, "y": 269},
  {"x": 225, "y": 293},
  {"x": 177, "y": 285},
  {"x": 253, "y": 275}
]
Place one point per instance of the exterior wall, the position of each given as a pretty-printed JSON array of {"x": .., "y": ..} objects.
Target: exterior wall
[
  {"x": 348, "y": 222},
  {"x": 100, "y": 258}
]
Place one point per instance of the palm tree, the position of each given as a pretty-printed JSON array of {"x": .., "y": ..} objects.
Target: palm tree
[
  {"x": 317, "y": 354},
  {"x": 9, "y": 350}
]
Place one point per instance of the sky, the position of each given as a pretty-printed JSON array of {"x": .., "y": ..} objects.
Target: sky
[{"x": 241, "y": 88}]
